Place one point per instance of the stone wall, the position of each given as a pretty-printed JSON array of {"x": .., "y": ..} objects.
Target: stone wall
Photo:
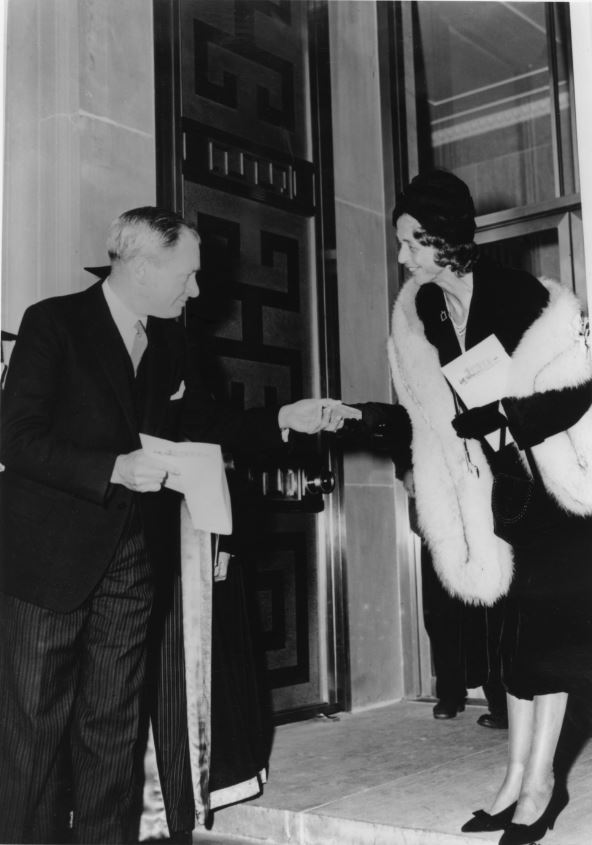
[{"x": 79, "y": 145}]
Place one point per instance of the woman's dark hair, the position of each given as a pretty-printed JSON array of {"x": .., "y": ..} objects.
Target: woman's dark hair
[{"x": 461, "y": 258}]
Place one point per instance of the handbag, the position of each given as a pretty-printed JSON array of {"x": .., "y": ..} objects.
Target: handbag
[{"x": 522, "y": 508}]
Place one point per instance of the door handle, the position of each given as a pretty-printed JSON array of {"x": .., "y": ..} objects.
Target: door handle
[
  {"x": 295, "y": 487},
  {"x": 321, "y": 483}
]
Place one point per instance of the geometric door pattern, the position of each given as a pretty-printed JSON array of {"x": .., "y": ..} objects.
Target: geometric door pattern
[{"x": 248, "y": 183}]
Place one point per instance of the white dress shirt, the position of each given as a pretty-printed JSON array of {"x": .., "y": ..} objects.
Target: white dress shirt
[{"x": 125, "y": 320}]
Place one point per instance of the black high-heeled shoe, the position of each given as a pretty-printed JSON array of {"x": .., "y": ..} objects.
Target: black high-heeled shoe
[
  {"x": 485, "y": 821},
  {"x": 523, "y": 834}
]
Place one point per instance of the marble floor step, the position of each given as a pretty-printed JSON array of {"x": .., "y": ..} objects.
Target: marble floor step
[
  {"x": 267, "y": 826},
  {"x": 390, "y": 776},
  {"x": 210, "y": 838}
]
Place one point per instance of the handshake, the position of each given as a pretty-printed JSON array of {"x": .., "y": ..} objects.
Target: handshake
[{"x": 310, "y": 416}]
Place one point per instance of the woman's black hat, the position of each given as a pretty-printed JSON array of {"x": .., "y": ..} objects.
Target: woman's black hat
[{"x": 442, "y": 203}]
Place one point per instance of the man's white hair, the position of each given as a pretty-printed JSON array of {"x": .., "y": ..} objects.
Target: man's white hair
[{"x": 145, "y": 231}]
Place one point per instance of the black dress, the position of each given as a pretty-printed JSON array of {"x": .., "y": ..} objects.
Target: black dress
[
  {"x": 547, "y": 631},
  {"x": 547, "y": 635}
]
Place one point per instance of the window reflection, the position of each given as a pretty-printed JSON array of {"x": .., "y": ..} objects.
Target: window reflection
[
  {"x": 536, "y": 252},
  {"x": 488, "y": 108}
]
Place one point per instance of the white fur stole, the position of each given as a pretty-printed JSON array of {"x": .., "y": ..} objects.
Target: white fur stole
[
  {"x": 555, "y": 353},
  {"x": 452, "y": 486}
]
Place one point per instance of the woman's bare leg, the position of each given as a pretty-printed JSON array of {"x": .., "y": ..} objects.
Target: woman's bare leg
[
  {"x": 538, "y": 780},
  {"x": 520, "y": 734}
]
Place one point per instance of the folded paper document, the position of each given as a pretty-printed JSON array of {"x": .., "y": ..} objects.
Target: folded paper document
[
  {"x": 480, "y": 376},
  {"x": 197, "y": 471}
]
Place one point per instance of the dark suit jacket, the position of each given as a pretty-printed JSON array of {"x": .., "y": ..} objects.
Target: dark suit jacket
[{"x": 70, "y": 406}]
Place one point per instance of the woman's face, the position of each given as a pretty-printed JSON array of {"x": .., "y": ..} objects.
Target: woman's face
[{"x": 418, "y": 260}]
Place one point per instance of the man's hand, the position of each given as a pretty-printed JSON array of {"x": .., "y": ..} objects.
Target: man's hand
[
  {"x": 138, "y": 472},
  {"x": 312, "y": 415},
  {"x": 335, "y": 414}
]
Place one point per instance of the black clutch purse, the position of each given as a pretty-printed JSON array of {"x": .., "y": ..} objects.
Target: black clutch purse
[{"x": 522, "y": 508}]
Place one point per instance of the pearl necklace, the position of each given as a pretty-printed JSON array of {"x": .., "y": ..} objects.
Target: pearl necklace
[
  {"x": 459, "y": 328},
  {"x": 463, "y": 326}
]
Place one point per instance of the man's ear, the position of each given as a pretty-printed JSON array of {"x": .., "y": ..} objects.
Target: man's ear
[{"x": 138, "y": 268}]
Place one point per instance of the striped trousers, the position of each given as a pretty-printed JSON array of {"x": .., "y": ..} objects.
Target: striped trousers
[{"x": 70, "y": 689}]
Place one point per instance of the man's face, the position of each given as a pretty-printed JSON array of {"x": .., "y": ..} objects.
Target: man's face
[
  {"x": 417, "y": 259},
  {"x": 169, "y": 277}
]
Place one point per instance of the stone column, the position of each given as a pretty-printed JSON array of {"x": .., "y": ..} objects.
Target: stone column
[
  {"x": 365, "y": 256},
  {"x": 581, "y": 35},
  {"x": 79, "y": 144}
]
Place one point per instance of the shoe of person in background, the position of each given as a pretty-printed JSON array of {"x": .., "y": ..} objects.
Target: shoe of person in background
[
  {"x": 497, "y": 721},
  {"x": 447, "y": 709}
]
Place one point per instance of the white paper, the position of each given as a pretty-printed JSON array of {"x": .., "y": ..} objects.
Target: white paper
[
  {"x": 179, "y": 394},
  {"x": 7, "y": 347},
  {"x": 480, "y": 376},
  {"x": 196, "y": 471}
]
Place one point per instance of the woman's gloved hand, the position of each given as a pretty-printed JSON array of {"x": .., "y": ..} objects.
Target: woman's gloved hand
[
  {"x": 374, "y": 420},
  {"x": 477, "y": 422},
  {"x": 377, "y": 417},
  {"x": 383, "y": 428}
]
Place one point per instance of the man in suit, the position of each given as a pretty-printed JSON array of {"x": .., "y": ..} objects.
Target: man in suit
[{"x": 83, "y": 521}]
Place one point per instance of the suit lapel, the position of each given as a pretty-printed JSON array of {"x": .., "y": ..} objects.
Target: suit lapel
[{"x": 110, "y": 352}]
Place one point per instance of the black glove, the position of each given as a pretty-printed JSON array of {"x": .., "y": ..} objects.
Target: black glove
[
  {"x": 385, "y": 429},
  {"x": 377, "y": 417},
  {"x": 477, "y": 422}
]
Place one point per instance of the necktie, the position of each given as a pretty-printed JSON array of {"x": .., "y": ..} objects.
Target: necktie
[{"x": 139, "y": 345}]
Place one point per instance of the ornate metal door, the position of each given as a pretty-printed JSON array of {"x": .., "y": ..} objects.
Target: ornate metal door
[{"x": 236, "y": 97}]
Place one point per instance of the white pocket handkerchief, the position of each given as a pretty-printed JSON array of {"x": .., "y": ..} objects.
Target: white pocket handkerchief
[{"x": 179, "y": 393}]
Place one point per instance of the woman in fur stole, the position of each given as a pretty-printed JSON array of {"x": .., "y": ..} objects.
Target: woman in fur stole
[{"x": 454, "y": 298}]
